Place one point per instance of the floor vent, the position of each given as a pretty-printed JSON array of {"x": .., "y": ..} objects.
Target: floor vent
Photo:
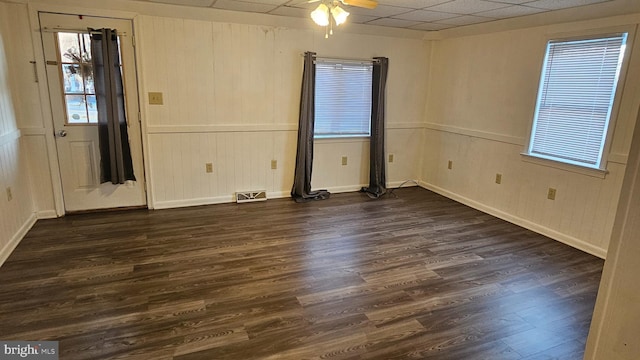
[{"x": 249, "y": 196}]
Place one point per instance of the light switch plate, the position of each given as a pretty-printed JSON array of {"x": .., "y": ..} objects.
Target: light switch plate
[{"x": 155, "y": 98}]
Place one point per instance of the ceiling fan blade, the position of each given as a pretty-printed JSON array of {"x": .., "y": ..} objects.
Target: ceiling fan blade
[{"x": 368, "y": 4}]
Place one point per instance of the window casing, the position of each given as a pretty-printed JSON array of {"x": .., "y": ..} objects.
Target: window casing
[
  {"x": 342, "y": 98},
  {"x": 575, "y": 99}
]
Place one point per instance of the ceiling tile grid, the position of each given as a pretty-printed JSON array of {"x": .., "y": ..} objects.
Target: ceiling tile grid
[{"x": 425, "y": 15}]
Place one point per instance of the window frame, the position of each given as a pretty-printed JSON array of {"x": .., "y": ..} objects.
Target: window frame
[
  {"x": 601, "y": 170},
  {"x": 339, "y": 61}
]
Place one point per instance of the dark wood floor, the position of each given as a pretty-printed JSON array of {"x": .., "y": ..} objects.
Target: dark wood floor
[{"x": 418, "y": 276}]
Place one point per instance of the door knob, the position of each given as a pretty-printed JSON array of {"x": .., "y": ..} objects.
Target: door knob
[{"x": 61, "y": 133}]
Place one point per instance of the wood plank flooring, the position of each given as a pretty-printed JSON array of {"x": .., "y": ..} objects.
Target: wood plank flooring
[{"x": 413, "y": 277}]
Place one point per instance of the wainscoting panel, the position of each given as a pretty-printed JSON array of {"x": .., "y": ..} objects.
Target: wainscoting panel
[
  {"x": 16, "y": 205},
  {"x": 241, "y": 161},
  {"x": 231, "y": 98},
  {"x": 584, "y": 207}
]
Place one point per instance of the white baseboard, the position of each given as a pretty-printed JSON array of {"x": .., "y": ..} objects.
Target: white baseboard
[
  {"x": 46, "y": 214},
  {"x": 278, "y": 194},
  {"x": 270, "y": 195},
  {"x": 407, "y": 183},
  {"x": 556, "y": 235},
  {"x": 343, "y": 189},
  {"x": 193, "y": 202},
  {"x": 16, "y": 238}
]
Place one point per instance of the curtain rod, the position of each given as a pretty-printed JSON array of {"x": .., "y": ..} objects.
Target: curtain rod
[
  {"x": 80, "y": 31},
  {"x": 353, "y": 60}
]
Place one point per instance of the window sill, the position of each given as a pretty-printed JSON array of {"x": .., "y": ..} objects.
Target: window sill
[{"x": 599, "y": 173}]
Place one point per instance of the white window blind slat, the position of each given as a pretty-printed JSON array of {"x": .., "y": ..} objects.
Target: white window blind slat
[
  {"x": 575, "y": 98},
  {"x": 343, "y": 99}
]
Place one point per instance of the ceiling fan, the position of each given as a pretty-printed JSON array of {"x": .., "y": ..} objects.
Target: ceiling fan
[{"x": 330, "y": 9}]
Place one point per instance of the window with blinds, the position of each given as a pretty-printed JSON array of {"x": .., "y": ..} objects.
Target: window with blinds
[
  {"x": 343, "y": 99},
  {"x": 575, "y": 99}
]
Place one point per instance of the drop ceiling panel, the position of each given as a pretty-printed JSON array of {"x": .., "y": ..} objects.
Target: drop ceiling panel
[
  {"x": 423, "y": 15},
  {"x": 466, "y": 7},
  {"x": 290, "y": 11},
  {"x": 515, "y": 2},
  {"x": 268, "y": 2},
  {"x": 465, "y": 20},
  {"x": 431, "y": 26},
  {"x": 244, "y": 6},
  {"x": 393, "y": 22},
  {"x": 556, "y": 5},
  {"x": 379, "y": 11},
  {"x": 511, "y": 11},
  {"x": 200, "y": 3},
  {"x": 428, "y": 15},
  {"x": 414, "y": 4},
  {"x": 360, "y": 19}
]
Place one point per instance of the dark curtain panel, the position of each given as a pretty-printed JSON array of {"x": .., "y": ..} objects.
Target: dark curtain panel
[
  {"x": 377, "y": 174},
  {"x": 301, "y": 190},
  {"x": 115, "y": 155}
]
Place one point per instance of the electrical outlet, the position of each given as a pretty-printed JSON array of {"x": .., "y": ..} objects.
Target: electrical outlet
[
  {"x": 9, "y": 194},
  {"x": 344, "y": 160},
  {"x": 274, "y": 164},
  {"x": 498, "y": 178},
  {"x": 390, "y": 158},
  {"x": 155, "y": 98},
  {"x": 551, "y": 194},
  {"x": 450, "y": 165},
  {"x": 209, "y": 167}
]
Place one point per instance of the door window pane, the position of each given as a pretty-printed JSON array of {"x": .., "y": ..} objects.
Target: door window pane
[
  {"x": 76, "y": 109},
  {"x": 72, "y": 78},
  {"x": 76, "y": 71}
]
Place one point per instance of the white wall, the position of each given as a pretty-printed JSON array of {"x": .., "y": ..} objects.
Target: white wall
[
  {"x": 482, "y": 99},
  {"x": 231, "y": 97},
  {"x": 16, "y": 215}
]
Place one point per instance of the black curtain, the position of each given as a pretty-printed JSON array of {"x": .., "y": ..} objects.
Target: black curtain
[
  {"x": 377, "y": 174},
  {"x": 301, "y": 190},
  {"x": 115, "y": 155}
]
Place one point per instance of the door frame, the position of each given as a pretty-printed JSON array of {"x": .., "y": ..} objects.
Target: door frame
[{"x": 44, "y": 94}]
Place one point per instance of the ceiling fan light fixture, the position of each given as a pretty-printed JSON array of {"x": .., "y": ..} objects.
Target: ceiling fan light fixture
[
  {"x": 339, "y": 14},
  {"x": 321, "y": 15}
]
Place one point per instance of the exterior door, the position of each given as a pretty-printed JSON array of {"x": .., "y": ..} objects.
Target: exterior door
[{"x": 67, "y": 50}]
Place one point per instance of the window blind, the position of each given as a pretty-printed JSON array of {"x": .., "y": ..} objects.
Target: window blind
[
  {"x": 575, "y": 98},
  {"x": 343, "y": 99}
]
